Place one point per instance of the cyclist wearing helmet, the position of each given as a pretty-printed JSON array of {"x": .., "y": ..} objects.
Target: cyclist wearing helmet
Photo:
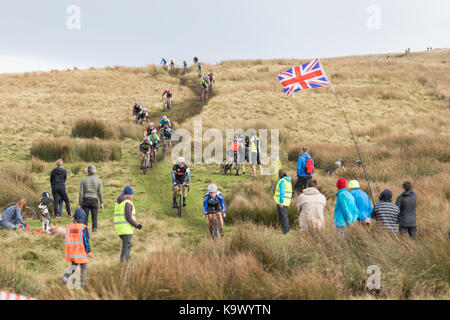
[
  {"x": 185, "y": 65},
  {"x": 214, "y": 201},
  {"x": 144, "y": 148},
  {"x": 167, "y": 92},
  {"x": 150, "y": 127},
  {"x": 204, "y": 88},
  {"x": 164, "y": 121},
  {"x": 136, "y": 108},
  {"x": 181, "y": 174},
  {"x": 163, "y": 62},
  {"x": 166, "y": 132},
  {"x": 199, "y": 69},
  {"x": 154, "y": 139},
  {"x": 212, "y": 79},
  {"x": 195, "y": 60},
  {"x": 172, "y": 64}
]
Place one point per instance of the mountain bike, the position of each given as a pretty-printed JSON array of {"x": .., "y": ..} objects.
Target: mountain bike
[
  {"x": 168, "y": 104},
  {"x": 179, "y": 197},
  {"x": 165, "y": 143},
  {"x": 204, "y": 94},
  {"x": 152, "y": 156},
  {"x": 144, "y": 164},
  {"x": 214, "y": 223},
  {"x": 28, "y": 213},
  {"x": 172, "y": 67},
  {"x": 184, "y": 69}
]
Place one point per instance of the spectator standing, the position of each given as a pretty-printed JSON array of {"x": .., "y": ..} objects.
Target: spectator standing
[
  {"x": 345, "y": 210},
  {"x": 310, "y": 205},
  {"x": 407, "y": 203},
  {"x": 362, "y": 201},
  {"x": 124, "y": 221},
  {"x": 77, "y": 247},
  {"x": 255, "y": 153},
  {"x": 305, "y": 170},
  {"x": 91, "y": 191},
  {"x": 386, "y": 212},
  {"x": 282, "y": 197},
  {"x": 58, "y": 178}
]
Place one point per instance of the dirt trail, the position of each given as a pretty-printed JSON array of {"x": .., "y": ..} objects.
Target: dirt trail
[{"x": 183, "y": 109}]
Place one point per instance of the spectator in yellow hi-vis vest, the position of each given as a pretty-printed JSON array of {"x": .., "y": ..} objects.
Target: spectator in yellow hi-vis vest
[
  {"x": 282, "y": 197},
  {"x": 124, "y": 221}
]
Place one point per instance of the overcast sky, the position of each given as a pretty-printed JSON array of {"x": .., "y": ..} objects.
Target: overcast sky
[{"x": 34, "y": 35}]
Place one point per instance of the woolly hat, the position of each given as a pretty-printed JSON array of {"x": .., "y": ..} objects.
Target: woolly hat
[
  {"x": 353, "y": 184},
  {"x": 341, "y": 183},
  {"x": 128, "y": 190}
]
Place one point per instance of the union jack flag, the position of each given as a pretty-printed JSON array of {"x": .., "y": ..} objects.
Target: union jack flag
[{"x": 307, "y": 76}]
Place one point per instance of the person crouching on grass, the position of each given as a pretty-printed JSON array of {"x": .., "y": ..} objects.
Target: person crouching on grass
[{"x": 77, "y": 247}]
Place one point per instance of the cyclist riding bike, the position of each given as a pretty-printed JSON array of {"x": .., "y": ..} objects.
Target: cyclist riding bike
[
  {"x": 212, "y": 79},
  {"x": 164, "y": 122},
  {"x": 167, "y": 92},
  {"x": 144, "y": 148},
  {"x": 164, "y": 63},
  {"x": 154, "y": 139},
  {"x": 213, "y": 201},
  {"x": 166, "y": 133},
  {"x": 150, "y": 127},
  {"x": 185, "y": 65},
  {"x": 172, "y": 64},
  {"x": 204, "y": 88},
  {"x": 144, "y": 115},
  {"x": 136, "y": 108},
  {"x": 199, "y": 69},
  {"x": 181, "y": 174},
  {"x": 195, "y": 60}
]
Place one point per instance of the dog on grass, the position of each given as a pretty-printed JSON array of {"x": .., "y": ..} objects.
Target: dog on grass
[{"x": 45, "y": 214}]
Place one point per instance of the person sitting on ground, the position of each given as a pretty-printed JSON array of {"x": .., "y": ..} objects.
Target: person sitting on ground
[
  {"x": 362, "y": 202},
  {"x": 310, "y": 205},
  {"x": 214, "y": 201},
  {"x": 78, "y": 250},
  {"x": 305, "y": 170},
  {"x": 386, "y": 212},
  {"x": 12, "y": 217},
  {"x": 345, "y": 210},
  {"x": 407, "y": 203}
]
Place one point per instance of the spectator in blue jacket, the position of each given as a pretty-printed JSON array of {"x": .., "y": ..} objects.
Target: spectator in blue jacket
[
  {"x": 345, "y": 210},
  {"x": 12, "y": 217},
  {"x": 362, "y": 202},
  {"x": 302, "y": 176}
]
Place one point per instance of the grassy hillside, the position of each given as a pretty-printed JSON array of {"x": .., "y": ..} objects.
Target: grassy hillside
[{"x": 399, "y": 109}]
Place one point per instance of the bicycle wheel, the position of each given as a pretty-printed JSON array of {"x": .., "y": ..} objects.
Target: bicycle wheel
[
  {"x": 222, "y": 167},
  {"x": 144, "y": 167},
  {"x": 215, "y": 228},
  {"x": 180, "y": 204}
]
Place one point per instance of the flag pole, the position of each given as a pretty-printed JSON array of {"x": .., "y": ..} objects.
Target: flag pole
[{"x": 354, "y": 140}]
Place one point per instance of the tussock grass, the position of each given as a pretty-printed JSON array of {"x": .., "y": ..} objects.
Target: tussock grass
[
  {"x": 37, "y": 165},
  {"x": 74, "y": 150},
  {"x": 15, "y": 280},
  {"x": 16, "y": 183},
  {"x": 91, "y": 128},
  {"x": 256, "y": 262}
]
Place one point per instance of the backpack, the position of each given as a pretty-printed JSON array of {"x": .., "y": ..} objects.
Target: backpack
[{"x": 309, "y": 166}]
